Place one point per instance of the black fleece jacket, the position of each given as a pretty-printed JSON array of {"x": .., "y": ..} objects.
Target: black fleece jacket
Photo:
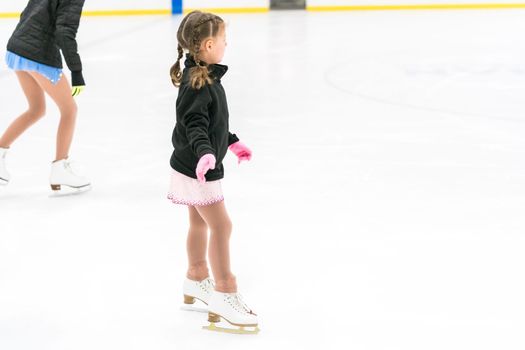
[
  {"x": 202, "y": 124},
  {"x": 45, "y": 28}
]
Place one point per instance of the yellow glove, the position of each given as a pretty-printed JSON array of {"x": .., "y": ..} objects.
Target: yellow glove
[
  {"x": 77, "y": 81},
  {"x": 76, "y": 90}
]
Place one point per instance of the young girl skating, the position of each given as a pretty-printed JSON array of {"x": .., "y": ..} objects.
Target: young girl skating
[
  {"x": 201, "y": 139},
  {"x": 46, "y": 28}
]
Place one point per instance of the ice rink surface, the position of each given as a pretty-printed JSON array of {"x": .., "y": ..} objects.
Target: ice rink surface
[{"x": 383, "y": 208}]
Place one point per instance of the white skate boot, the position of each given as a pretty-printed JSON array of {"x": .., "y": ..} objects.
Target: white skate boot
[
  {"x": 232, "y": 309},
  {"x": 64, "y": 181},
  {"x": 4, "y": 175},
  {"x": 200, "y": 290}
]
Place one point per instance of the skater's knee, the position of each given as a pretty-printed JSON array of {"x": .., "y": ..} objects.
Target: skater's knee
[
  {"x": 227, "y": 225},
  {"x": 198, "y": 226},
  {"x": 69, "y": 111},
  {"x": 229, "y": 228},
  {"x": 36, "y": 112},
  {"x": 224, "y": 228}
]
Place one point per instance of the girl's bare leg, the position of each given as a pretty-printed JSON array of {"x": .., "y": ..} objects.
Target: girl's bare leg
[
  {"x": 196, "y": 245},
  {"x": 37, "y": 108},
  {"x": 61, "y": 95},
  {"x": 219, "y": 222}
]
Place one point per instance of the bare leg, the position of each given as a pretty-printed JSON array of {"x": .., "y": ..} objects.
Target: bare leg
[
  {"x": 219, "y": 222},
  {"x": 61, "y": 95},
  {"x": 37, "y": 108},
  {"x": 196, "y": 245}
]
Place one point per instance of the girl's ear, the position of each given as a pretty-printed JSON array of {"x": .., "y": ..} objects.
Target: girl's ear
[{"x": 208, "y": 44}]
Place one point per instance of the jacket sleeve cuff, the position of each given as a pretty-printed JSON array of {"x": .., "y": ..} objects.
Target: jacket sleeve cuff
[
  {"x": 77, "y": 79},
  {"x": 204, "y": 151},
  {"x": 232, "y": 138}
]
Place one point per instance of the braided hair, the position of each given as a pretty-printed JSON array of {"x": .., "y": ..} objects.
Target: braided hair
[{"x": 195, "y": 27}]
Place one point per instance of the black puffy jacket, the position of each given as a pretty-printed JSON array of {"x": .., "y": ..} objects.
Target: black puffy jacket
[
  {"x": 45, "y": 28},
  {"x": 202, "y": 124}
]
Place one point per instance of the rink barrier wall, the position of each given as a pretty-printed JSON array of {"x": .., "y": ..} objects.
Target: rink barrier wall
[
  {"x": 159, "y": 12},
  {"x": 486, "y": 6},
  {"x": 231, "y": 10},
  {"x": 95, "y": 13},
  {"x": 127, "y": 12},
  {"x": 178, "y": 10}
]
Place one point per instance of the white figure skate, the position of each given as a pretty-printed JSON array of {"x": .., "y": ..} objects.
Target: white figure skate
[
  {"x": 233, "y": 310},
  {"x": 64, "y": 181},
  {"x": 200, "y": 290},
  {"x": 4, "y": 175}
]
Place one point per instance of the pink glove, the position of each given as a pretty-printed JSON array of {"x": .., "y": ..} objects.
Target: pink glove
[
  {"x": 206, "y": 163},
  {"x": 241, "y": 151}
]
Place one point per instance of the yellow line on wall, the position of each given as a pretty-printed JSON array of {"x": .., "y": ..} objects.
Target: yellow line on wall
[
  {"x": 9, "y": 15},
  {"x": 154, "y": 12},
  {"x": 127, "y": 12},
  {"x": 231, "y": 10},
  {"x": 106, "y": 13},
  {"x": 309, "y": 8},
  {"x": 417, "y": 7}
]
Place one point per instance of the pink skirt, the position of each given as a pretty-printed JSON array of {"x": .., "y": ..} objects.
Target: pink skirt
[{"x": 188, "y": 191}]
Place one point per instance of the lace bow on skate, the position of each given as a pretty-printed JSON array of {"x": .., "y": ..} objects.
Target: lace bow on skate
[
  {"x": 238, "y": 303},
  {"x": 73, "y": 167},
  {"x": 207, "y": 285}
]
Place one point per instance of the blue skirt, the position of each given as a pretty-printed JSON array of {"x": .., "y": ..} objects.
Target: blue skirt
[{"x": 16, "y": 62}]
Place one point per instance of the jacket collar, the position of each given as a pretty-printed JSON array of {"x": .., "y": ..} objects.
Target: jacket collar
[{"x": 217, "y": 71}]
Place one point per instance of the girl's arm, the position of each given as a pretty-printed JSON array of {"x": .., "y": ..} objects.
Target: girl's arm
[
  {"x": 193, "y": 108},
  {"x": 238, "y": 148},
  {"x": 232, "y": 138},
  {"x": 67, "y": 22}
]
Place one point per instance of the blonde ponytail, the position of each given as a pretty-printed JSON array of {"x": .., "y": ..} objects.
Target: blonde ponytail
[
  {"x": 199, "y": 76},
  {"x": 175, "y": 71}
]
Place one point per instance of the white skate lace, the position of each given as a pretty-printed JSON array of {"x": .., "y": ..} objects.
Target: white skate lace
[
  {"x": 73, "y": 167},
  {"x": 239, "y": 304},
  {"x": 208, "y": 285},
  {"x": 68, "y": 165}
]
